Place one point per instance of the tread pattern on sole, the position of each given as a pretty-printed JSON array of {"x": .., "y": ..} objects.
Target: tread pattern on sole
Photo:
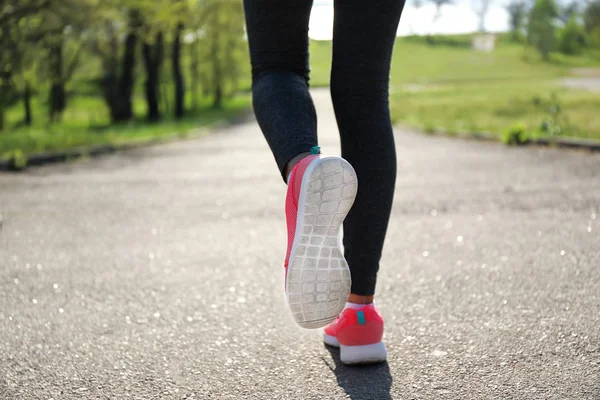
[{"x": 318, "y": 277}]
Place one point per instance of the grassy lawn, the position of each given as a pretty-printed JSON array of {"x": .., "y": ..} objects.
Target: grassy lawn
[
  {"x": 493, "y": 107},
  {"x": 447, "y": 86},
  {"x": 85, "y": 123}
]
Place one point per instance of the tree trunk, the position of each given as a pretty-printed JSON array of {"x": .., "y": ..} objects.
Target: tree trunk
[
  {"x": 232, "y": 68},
  {"x": 217, "y": 74},
  {"x": 3, "y": 97},
  {"x": 164, "y": 95},
  {"x": 218, "y": 95},
  {"x": 109, "y": 83},
  {"x": 206, "y": 89},
  {"x": 177, "y": 75},
  {"x": 110, "y": 87},
  {"x": 58, "y": 97},
  {"x": 27, "y": 104},
  {"x": 125, "y": 96},
  {"x": 194, "y": 72},
  {"x": 110, "y": 93},
  {"x": 6, "y": 44},
  {"x": 150, "y": 84},
  {"x": 153, "y": 62},
  {"x": 124, "y": 89}
]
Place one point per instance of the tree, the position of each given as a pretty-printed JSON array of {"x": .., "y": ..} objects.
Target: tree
[
  {"x": 223, "y": 39},
  {"x": 117, "y": 56},
  {"x": 569, "y": 11},
  {"x": 177, "y": 74},
  {"x": 591, "y": 20},
  {"x": 591, "y": 16},
  {"x": 63, "y": 58},
  {"x": 153, "y": 54},
  {"x": 8, "y": 56},
  {"x": 125, "y": 91},
  {"x": 27, "y": 74},
  {"x": 12, "y": 11},
  {"x": 194, "y": 71},
  {"x": 481, "y": 9},
  {"x": 49, "y": 31},
  {"x": 517, "y": 11},
  {"x": 14, "y": 31},
  {"x": 572, "y": 37},
  {"x": 541, "y": 32},
  {"x": 438, "y": 8},
  {"x": 181, "y": 12},
  {"x": 57, "y": 99},
  {"x": 44, "y": 42}
]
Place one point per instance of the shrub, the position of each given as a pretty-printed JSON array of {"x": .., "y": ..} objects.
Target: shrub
[
  {"x": 16, "y": 158},
  {"x": 571, "y": 38},
  {"x": 515, "y": 135}
]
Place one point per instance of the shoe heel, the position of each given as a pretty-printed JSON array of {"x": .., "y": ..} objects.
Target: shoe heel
[
  {"x": 366, "y": 354},
  {"x": 318, "y": 278}
]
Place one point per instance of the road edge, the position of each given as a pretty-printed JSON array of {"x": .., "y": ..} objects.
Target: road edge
[
  {"x": 52, "y": 157},
  {"x": 550, "y": 141}
]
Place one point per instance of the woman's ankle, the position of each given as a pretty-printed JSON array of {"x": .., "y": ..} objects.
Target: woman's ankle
[
  {"x": 359, "y": 299},
  {"x": 292, "y": 163}
]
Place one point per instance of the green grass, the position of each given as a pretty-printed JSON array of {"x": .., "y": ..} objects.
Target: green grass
[
  {"x": 446, "y": 86},
  {"x": 497, "y": 106},
  {"x": 86, "y": 124}
]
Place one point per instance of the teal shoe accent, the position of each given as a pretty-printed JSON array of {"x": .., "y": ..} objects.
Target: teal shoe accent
[
  {"x": 315, "y": 150},
  {"x": 361, "y": 317}
]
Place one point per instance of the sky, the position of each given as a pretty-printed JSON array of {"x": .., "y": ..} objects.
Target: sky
[{"x": 458, "y": 18}]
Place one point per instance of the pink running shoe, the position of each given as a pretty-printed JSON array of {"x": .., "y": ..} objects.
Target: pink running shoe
[
  {"x": 358, "y": 333},
  {"x": 321, "y": 191}
]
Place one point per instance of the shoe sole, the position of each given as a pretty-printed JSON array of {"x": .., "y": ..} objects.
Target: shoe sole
[
  {"x": 318, "y": 278},
  {"x": 355, "y": 355}
]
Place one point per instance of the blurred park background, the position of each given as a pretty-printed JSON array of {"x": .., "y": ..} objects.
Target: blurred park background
[{"x": 91, "y": 72}]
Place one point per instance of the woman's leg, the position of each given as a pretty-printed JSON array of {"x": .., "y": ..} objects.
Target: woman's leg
[
  {"x": 320, "y": 189},
  {"x": 278, "y": 38},
  {"x": 363, "y": 39}
]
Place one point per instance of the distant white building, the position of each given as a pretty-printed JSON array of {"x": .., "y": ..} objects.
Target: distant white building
[{"x": 484, "y": 42}]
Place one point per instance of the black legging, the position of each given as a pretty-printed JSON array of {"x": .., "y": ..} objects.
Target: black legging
[{"x": 363, "y": 39}]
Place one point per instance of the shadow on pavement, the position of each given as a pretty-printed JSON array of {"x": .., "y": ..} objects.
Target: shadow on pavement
[{"x": 361, "y": 381}]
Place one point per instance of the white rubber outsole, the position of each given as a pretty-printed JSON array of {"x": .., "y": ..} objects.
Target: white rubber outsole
[
  {"x": 352, "y": 355},
  {"x": 318, "y": 278}
]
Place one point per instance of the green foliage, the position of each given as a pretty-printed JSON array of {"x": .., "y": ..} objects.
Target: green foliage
[
  {"x": 515, "y": 135},
  {"x": 591, "y": 22},
  {"x": 593, "y": 38},
  {"x": 517, "y": 12},
  {"x": 572, "y": 37},
  {"x": 591, "y": 16},
  {"x": 52, "y": 46},
  {"x": 551, "y": 124},
  {"x": 16, "y": 158},
  {"x": 541, "y": 31},
  {"x": 83, "y": 66},
  {"x": 222, "y": 47}
]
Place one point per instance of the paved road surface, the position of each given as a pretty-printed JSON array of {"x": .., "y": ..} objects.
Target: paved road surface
[
  {"x": 587, "y": 83},
  {"x": 156, "y": 274}
]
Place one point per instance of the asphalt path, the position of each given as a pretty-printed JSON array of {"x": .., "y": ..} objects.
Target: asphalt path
[{"x": 157, "y": 274}]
